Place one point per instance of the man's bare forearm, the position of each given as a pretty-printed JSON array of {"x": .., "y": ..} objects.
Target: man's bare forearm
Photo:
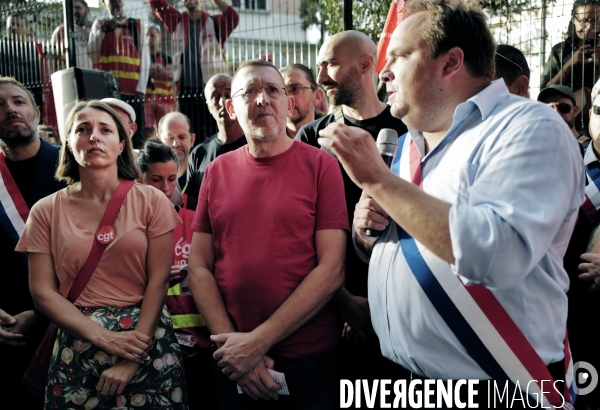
[{"x": 209, "y": 301}]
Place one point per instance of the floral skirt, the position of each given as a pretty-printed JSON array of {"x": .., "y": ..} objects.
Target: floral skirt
[{"x": 76, "y": 365}]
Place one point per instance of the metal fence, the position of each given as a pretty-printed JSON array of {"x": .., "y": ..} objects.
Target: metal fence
[{"x": 31, "y": 45}]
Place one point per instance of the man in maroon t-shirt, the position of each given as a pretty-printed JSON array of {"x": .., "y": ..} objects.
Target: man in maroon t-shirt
[{"x": 268, "y": 254}]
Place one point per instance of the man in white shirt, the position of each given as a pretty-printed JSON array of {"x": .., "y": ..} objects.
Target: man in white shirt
[
  {"x": 480, "y": 233},
  {"x": 81, "y": 31}
]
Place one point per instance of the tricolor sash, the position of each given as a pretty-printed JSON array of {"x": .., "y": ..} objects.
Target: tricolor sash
[
  {"x": 592, "y": 191},
  {"x": 13, "y": 209},
  {"x": 473, "y": 313}
]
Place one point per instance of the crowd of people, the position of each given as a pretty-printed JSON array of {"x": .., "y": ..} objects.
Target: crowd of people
[
  {"x": 150, "y": 80},
  {"x": 178, "y": 274}
]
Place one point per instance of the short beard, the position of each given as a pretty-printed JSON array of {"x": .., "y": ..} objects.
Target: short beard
[
  {"x": 347, "y": 90},
  {"x": 81, "y": 20},
  {"x": 13, "y": 141},
  {"x": 262, "y": 135}
]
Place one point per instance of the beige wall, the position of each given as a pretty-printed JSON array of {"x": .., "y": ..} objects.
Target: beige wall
[{"x": 284, "y": 6}]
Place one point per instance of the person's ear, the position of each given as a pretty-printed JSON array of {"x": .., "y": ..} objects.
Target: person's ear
[
  {"x": 522, "y": 86},
  {"x": 575, "y": 110},
  {"x": 366, "y": 63},
  {"x": 319, "y": 95},
  {"x": 193, "y": 138},
  {"x": 291, "y": 103},
  {"x": 133, "y": 128},
  {"x": 230, "y": 109},
  {"x": 454, "y": 60}
]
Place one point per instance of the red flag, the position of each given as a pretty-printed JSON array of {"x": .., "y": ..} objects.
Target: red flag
[{"x": 394, "y": 17}]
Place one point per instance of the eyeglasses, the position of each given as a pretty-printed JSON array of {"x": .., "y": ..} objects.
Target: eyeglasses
[
  {"x": 596, "y": 109},
  {"x": 562, "y": 107},
  {"x": 585, "y": 21},
  {"x": 251, "y": 93},
  {"x": 510, "y": 61},
  {"x": 295, "y": 89}
]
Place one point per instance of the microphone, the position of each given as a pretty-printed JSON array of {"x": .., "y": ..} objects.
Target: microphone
[{"x": 387, "y": 144}]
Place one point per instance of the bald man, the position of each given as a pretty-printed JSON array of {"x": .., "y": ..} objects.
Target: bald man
[
  {"x": 229, "y": 137},
  {"x": 175, "y": 130},
  {"x": 346, "y": 64}
]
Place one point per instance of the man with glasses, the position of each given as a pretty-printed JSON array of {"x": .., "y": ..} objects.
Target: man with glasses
[
  {"x": 300, "y": 83},
  {"x": 562, "y": 99},
  {"x": 575, "y": 61},
  {"x": 229, "y": 137},
  {"x": 267, "y": 255}
]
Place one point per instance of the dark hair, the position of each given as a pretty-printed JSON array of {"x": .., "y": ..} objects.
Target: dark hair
[
  {"x": 571, "y": 27},
  {"x": 256, "y": 63},
  {"x": 456, "y": 23},
  {"x": 13, "y": 81},
  {"x": 82, "y": 2},
  {"x": 154, "y": 151},
  {"x": 162, "y": 120},
  {"x": 68, "y": 168},
  {"x": 307, "y": 72},
  {"x": 510, "y": 63},
  {"x": 20, "y": 16}
]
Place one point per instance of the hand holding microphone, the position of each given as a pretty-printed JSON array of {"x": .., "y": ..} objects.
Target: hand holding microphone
[{"x": 387, "y": 144}]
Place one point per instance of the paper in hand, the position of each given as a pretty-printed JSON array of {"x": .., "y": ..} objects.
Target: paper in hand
[{"x": 279, "y": 378}]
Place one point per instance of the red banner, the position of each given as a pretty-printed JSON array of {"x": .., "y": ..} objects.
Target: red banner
[{"x": 394, "y": 17}]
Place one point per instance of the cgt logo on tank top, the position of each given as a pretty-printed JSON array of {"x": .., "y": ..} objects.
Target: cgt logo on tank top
[{"x": 182, "y": 252}]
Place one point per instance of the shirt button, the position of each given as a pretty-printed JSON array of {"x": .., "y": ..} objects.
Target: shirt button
[
  {"x": 384, "y": 324},
  {"x": 382, "y": 284}
]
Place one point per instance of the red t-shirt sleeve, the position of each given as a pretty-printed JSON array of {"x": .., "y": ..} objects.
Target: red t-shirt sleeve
[
  {"x": 331, "y": 202},
  {"x": 201, "y": 221}
]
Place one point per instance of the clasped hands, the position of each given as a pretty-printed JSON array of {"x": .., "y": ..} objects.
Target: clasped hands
[
  {"x": 243, "y": 358},
  {"x": 132, "y": 347}
]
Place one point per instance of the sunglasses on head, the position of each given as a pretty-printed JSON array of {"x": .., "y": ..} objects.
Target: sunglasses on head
[{"x": 562, "y": 107}]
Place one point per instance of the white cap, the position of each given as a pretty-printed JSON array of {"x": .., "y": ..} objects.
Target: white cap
[
  {"x": 595, "y": 90},
  {"x": 113, "y": 102}
]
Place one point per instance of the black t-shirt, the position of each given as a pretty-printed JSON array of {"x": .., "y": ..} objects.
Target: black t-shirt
[
  {"x": 14, "y": 296},
  {"x": 200, "y": 157},
  {"x": 356, "y": 269},
  {"x": 182, "y": 180}
]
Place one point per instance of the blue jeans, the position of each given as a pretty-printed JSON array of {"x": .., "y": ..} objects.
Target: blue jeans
[{"x": 313, "y": 382}]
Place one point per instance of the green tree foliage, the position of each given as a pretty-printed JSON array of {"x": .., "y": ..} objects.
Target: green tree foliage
[
  {"x": 507, "y": 8},
  {"x": 369, "y": 16}
]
